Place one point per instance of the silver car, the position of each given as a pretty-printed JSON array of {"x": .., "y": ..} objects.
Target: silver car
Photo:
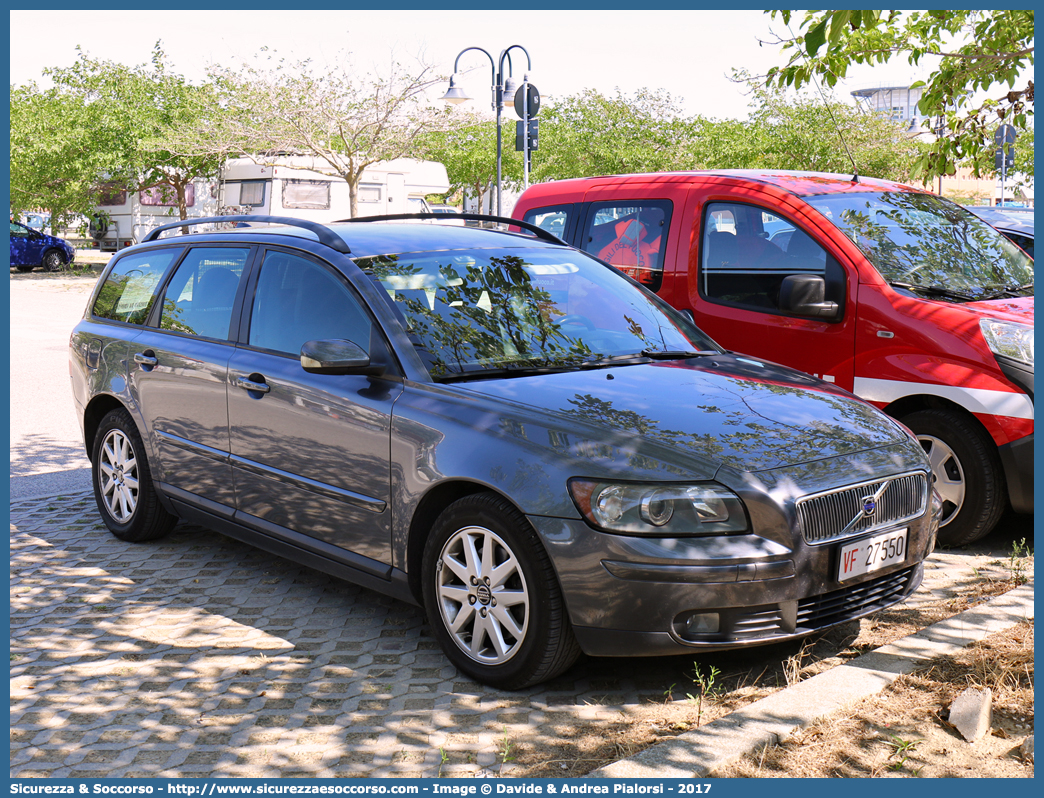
[{"x": 495, "y": 426}]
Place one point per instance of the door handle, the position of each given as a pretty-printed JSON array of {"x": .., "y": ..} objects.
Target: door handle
[
  {"x": 146, "y": 359},
  {"x": 250, "y": 385}
]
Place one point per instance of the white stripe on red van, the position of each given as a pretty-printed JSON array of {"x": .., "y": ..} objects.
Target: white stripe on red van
[{"x": 975, "y": 400}]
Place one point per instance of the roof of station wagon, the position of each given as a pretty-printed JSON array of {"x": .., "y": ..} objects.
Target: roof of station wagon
[{"x": 381, "y": 238}]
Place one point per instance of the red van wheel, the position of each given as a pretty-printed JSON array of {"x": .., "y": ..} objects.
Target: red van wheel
[{"x": 967, "y": 473}]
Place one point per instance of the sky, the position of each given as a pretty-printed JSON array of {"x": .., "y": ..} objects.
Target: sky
[{"x": 690, "y": 54}]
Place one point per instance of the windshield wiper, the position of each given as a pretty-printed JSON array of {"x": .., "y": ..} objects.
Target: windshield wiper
[
  {"x": 601, "y": 361},
  {"x": 933, "y": 290},
  {"x": 1012, "y": 291},
  {"x": 678, "y": 354}
]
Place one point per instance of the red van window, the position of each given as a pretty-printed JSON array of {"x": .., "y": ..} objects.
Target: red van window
[{"x": 631, "y": 237}]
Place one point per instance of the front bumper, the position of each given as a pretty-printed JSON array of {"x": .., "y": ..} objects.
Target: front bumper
[
  {"x": 1017, "y": 460},
  {"x": 630, "y": 596}
]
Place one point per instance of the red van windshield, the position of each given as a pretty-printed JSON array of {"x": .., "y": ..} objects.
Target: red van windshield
[{"x": 925, "y": 241}]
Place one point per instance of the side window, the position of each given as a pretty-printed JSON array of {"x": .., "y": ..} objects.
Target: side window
[
  {"x": 297, "y": 300},
  {"x": 200, "y": 295},
  {"x": 252, "y": 192},
  {"x": 632, "y": 236},
  {"x": 553, "y": 219},
  {"x": 747, "y": 251},
  {"x": 307, "y": 194},
  {"x": 130, "y": 288},
  {"x": 18, "y": 231}
]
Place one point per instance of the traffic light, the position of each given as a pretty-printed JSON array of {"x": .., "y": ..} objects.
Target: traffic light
[{"x": 534, "y": 131}]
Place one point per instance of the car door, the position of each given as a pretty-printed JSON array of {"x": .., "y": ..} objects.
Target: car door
[
  {"x": 746, "y": 250},
  {"x": 25, "y": 246},
  {"x": 179, "y": 371},
  {"x": 310, "y": 452}
]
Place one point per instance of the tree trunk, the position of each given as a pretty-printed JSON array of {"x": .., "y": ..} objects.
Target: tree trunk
[
  {"x": 179, "y": 187},
  {"x": 353, "y": 196}
]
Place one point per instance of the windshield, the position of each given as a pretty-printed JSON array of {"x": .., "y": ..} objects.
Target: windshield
[
  {"x": 476, "y": 313},
  {"x": 923, "y": 241}
]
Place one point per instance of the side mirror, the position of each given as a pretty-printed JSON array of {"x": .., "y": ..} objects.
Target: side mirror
[
  {"x": 805, "y": 295},
  {"x": 337, "y": 356}
]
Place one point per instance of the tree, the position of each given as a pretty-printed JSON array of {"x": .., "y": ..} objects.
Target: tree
[
  {"x": 130, "y": 114},
  {"x": 469, "y": 153},
  {"x": 979, "y": 51},
  {"x": 345, "y": 120},
  {"x": 592, "y": 134},
  {"x": 53, "y": 167},
  {"x": 817, "y": 134}
]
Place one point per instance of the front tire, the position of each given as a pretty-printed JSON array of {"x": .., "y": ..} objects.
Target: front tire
[
  {"x": 122, "y": 480},
  {"x": 492, "y": 597},
  {"x": 967, "y": 473},
  {"x": 53, "y": 261}
]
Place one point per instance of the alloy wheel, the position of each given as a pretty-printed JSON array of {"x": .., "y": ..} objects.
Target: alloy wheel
[
  {"x": 482, "y": 596},
  {"x": 118, "y": 476},
  {"x": 949, "y": 475}
]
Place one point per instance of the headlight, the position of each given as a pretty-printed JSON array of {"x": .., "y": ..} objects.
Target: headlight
[
  {"x": 659, "y": 510},
  {"x": 1008, "y": 339}
]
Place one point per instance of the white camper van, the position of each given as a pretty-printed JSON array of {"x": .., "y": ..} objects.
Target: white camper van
[
  {"x": 305, "y": 188},
  {"x": 299, "y": 186},
  {"x": 124, "y": 217}
]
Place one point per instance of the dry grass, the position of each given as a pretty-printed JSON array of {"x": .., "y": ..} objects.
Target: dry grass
[
  {"x": 903, "y": 732},
  {"x": 579, "y": 747}
]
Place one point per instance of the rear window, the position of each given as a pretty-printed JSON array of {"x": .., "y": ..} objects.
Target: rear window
[{"x": 130, "y": 288}]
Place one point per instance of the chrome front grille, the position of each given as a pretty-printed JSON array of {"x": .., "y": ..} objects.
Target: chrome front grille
[{"x": 855, "y": 509}]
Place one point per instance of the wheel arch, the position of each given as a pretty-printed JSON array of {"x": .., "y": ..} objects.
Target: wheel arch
[
  {"x": 428, "y": 509},
  {"x": 95, "y": 411},
  {"x": 911, "y": 404}
]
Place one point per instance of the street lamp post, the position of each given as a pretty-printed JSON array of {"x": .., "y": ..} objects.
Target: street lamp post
[{"x": 503, "y": 91}]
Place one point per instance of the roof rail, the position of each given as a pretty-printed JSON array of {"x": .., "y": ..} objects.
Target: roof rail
[
  {"x": 479, "y": 217},
  {"x": 325, "y": 234}
]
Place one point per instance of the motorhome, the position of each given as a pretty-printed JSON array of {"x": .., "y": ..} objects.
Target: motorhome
[
  {"x": 123, "y": 217},
  {"x": 304, "y": 187},
  {"x": 300, "y": 186}
]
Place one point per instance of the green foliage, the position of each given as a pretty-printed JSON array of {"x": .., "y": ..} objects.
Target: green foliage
[
  {"x": 469, "y": 152},
  {"x": 53, "y": 168},
  {"x": 808, "y": 132},
  {"x": 344, "y": 119},
  {"x": 592, "y": 134},
  {"x": 103, "y": 121},
  {"x": 979, "y": 51}
]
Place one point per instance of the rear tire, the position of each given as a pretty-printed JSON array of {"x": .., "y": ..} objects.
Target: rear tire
[
  {"x": 492, "y": 597},
  {"x": 967, "y": 471},
  {"x": 122, "y": 481}
]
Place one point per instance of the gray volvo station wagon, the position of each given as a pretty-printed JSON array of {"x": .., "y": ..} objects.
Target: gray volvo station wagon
[{"x": 493, "y": 425}]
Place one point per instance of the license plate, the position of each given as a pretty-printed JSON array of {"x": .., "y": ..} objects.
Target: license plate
[{"x": 871, "y": 554}]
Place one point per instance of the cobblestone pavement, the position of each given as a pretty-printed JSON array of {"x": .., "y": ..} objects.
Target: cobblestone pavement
[{"x": 201, "y": 656}]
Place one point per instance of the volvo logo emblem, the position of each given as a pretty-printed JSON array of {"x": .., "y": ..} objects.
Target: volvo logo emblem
[{"x": 868, "y": 506}]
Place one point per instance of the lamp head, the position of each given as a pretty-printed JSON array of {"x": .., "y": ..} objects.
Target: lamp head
[{"x": 454, "y": 94}]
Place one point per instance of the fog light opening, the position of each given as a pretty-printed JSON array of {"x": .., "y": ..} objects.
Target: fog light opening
[{"x": 698, "y": 625}]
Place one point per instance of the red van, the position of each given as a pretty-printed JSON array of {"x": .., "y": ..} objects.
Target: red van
[{"x": 896, "y": 294}]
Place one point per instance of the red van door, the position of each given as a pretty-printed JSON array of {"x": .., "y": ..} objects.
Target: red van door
[{"x": 753, "y": 276}]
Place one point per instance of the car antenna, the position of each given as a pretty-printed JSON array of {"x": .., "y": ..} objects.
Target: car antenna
[{"x": 837, "y": 127}]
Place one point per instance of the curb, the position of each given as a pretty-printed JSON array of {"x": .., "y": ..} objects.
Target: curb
[{"x": 774, "y": 718}]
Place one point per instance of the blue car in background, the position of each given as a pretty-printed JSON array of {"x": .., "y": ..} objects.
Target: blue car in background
[{"x": 31, "y": 248}]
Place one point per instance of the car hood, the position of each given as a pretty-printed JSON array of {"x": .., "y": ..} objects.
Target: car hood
[
  {"x": 1019, "y": 309},
  {"x": 726, "y": 410}
]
